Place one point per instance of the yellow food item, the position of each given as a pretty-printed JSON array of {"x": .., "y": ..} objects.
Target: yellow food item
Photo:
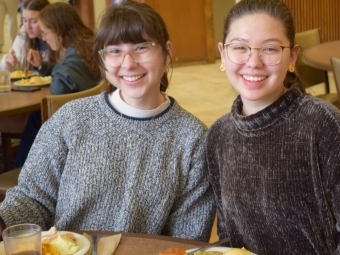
[
  {"x": 237, "y": 251},
  {"x": 36, "y": 80},
  {"x": 49, "y": 249},
  {"x": 19, "y": 73},
  {"x": 65, "y": 244}
]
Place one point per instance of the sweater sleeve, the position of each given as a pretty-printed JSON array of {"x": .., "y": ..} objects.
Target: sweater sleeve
[
  {"x": 34, "y": 199},
  {"x": 193, "y": 212},
  {"x": 214, "y": 175}
]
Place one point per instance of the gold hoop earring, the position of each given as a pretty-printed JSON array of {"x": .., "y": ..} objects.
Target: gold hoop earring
[
  {"x": 291, "y": 68},
  {"x": 222, "y": 67}
]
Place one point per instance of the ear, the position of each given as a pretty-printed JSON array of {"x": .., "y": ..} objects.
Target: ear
[
  {"x": 169, "y": 50},
  {"x": 295, "y": 53},
  {"x": 220, "y": 48}
]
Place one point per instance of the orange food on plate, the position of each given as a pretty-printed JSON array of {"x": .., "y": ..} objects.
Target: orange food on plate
[
  {"x": 173, "y": 251},
  {"x": 49, "y": 249}
]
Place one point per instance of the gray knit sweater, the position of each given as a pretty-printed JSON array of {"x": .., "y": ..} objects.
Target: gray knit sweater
[
  {"x": 276, "y": 176},
  {"x": 91, "y": 168}
]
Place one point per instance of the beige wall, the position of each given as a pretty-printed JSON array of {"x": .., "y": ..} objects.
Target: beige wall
[
  {"x": 99, "y": 6},
  {"x": 220, "y": 10}
]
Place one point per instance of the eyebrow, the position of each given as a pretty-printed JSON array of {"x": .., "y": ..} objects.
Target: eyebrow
[{"x": 269, "y": 40}]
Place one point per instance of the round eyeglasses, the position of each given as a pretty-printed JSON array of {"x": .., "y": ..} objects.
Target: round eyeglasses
[
  {"x": 269, "y": 54},
  {"x": 114, "y": 56}
]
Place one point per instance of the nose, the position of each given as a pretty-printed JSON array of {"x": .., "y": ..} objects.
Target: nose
[
  {"x": 254, "y": 59},
  {"x": 128, "y": 61}
]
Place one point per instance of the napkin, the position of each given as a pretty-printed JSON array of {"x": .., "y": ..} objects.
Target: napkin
[{"x": 107, "y": 245}]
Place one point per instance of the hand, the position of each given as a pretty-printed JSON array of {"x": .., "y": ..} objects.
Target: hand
[
  {"x": 11, "y": 59},
  {"x": 33, "y": 57}
]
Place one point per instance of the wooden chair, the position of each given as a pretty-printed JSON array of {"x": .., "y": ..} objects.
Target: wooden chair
[
  {"x": 336, "y": 73},
  {"x": 51, "y": 103},
  {"x": 8, "y": 180},
  {"x": 11, "y": 128},
  {"x": 308, "y": 74}
]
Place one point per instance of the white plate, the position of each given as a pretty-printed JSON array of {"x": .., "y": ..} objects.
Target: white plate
[
  {"x": 222, "y": 249},
  {"x": 42, "y": 84},
  {"x": 82, "y": 242}
]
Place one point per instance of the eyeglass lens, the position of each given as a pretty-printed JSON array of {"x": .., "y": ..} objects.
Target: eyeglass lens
[
  {"x": 114, "y": 56},
  {"x": 240, "y": 53}
]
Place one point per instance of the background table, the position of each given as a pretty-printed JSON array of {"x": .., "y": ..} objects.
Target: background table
[
  {"x": 144, "y": 244},
  {"x": 319, "y": 56},
  {"x": 21, "y": 102}
]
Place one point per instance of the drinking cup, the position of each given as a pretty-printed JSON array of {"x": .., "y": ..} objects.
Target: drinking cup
[
  {"x": 22, "y": 239},
  {"x": 5, "y": 82}
]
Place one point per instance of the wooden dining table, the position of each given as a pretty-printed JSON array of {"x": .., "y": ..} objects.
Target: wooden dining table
[
  {"x": 21, "y": 102},
  {"x": 319, "y": 56},
  {"x": 145, "y": 244}
]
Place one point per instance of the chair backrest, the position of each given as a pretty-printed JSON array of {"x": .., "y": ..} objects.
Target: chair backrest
[
  {"x": 336, "y": 73},
  {"x": 308, "y": 74},
  {"x": 51, "y": 103}
]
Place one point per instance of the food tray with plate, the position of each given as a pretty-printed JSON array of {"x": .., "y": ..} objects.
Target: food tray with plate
[
  {"x": 221, "y": 249},
  {"x": 17, "y": 75},
  {"x": 37, "y": 82},
  {"x": 82, "y": 242}
]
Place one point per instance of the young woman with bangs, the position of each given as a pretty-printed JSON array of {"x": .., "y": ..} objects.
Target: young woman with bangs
[{"x": 130, "y": 159}]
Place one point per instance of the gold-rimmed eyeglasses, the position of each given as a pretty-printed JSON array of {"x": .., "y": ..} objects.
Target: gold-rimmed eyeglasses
[
  {"x": 269, "y": 54},
  {"x": 114, "y": 55}
]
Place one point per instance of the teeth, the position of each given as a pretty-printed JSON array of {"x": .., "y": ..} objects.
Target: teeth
[
  {"x": 132, "y": 78},
  {"x": 254, "y": 78}
]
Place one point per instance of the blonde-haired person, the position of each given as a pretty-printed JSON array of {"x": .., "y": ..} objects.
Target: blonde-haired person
[
  {"x": 29, "y": 37},
  {"x": 274, "y": 160},
  {"x": 130, "y": 159}
]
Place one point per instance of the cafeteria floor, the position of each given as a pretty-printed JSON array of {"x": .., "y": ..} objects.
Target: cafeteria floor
[{"x": 203, "y": 90}]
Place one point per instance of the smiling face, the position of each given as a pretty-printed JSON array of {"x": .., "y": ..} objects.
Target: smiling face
[
  {"x": 51, "y": 38},
  {"x": 30, "y": 22},
  {"x": 259, "y": 85},
  {"x": 139, "y": 82}
]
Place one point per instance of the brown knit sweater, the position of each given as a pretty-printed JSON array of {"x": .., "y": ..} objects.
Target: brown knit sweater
[{"x": 276, "y": 176}]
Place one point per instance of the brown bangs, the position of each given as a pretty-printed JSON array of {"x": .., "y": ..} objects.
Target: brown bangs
[{"x": 127, "y": 28}]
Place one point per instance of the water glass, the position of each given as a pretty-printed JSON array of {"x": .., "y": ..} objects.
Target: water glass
[
  {"x": 22, "y": 239},
  {"x": 5, "y": 82}
]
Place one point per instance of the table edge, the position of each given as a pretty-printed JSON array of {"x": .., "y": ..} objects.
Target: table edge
[{"x": 147, "y": 236}]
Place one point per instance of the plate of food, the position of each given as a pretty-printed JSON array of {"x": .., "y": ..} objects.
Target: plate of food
[
  {"x": 223, "y": 251},
  {"x": 19, "y": 74},
  {"x": 34, "y": 81},
  {"x": 211, "y": 251},
  {"x": 60, "y": 243}
]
